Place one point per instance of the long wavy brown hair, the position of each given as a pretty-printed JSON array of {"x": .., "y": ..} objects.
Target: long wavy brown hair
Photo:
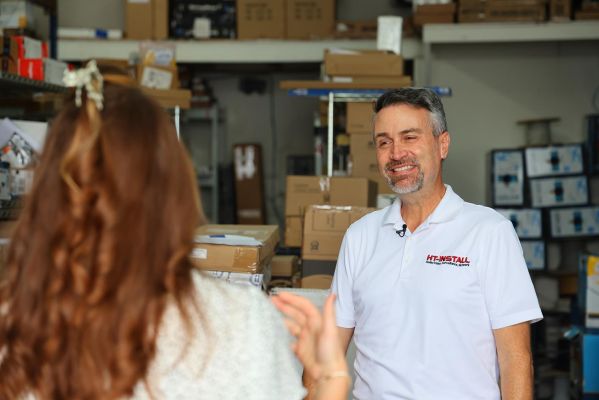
[{"x": 100, "y": 248}]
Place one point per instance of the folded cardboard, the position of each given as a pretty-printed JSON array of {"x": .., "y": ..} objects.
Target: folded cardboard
[
  {"x": 303, "y": 191},
  {"x": 293, "y": 231},
  {"x": 317, "y": 282},
  {"x": 310, "y": 19},
  {"x": 359, "y": 117},
  {"x": 324, "y": 227},
  {"x": 366, "y": 63},
  {"x": 574, "y": 222},
  {"x": 249, "y": 184},
  {"x": 534, "y": 254},
  {"x": 508, "y": 178},
  {"x": 284, "y": 266},
  {"x": 560, "y": 191},
  {"x": 210, "y": 252},
  {"x": 527, "y": 221},
  {"x": 554, "y": 160},
  {"x": 260, "y": 19},
  {"x": 318, "y": 267}
]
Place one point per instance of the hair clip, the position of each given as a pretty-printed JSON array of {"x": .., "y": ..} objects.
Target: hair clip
[{"x": 90, "y": 78}]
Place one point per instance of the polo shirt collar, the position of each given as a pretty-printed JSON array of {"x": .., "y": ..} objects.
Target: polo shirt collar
[{"x": 447, "y": 209}]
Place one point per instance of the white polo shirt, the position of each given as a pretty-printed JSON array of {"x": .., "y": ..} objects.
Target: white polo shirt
[{"x": 424, "y": 306}]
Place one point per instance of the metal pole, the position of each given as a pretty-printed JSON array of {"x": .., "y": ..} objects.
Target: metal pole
[
  {"x": 215, "y": 156},
  {"x": 177, "y": 121},
  {"x": 330, "y": 138}
]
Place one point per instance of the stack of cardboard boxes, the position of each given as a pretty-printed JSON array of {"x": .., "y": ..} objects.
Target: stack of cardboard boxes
[
  {"x": 366, "y": 67},
  {"x": 318, "y": 211},
  {"x": 434, "y": 14},
  {"x": 237, "y": 253}
]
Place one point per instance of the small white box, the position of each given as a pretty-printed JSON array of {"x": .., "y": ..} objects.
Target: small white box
[
  {"x": 508, "y": 178},
  {"x": 388, "y": 35},
  {"x": 574, "y": 222},
  {"x": 527, "y": 222},
  {"x": 15, "y": 14},
  {"x": 563, "y": 191},
  {"x": 554, "y": 160},
  {"x": 534, "y": 254},
  {"x": 54, "y": 71}
]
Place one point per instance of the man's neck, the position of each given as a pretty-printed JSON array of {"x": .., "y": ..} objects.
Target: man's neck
[{"x": 416, "y": 207}]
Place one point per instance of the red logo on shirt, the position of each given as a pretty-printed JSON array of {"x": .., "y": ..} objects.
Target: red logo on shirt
[{"x": 448, "y": 260}]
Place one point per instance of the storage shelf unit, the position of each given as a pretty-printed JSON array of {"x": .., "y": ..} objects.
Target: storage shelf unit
[
  {"x": 16, "y": 86},
  {"x": 510, "y": 32},
  {"x": 227, "y": 51}
]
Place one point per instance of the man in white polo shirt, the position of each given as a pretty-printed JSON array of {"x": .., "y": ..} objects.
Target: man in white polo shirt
[{"x": 434, "y": 290}]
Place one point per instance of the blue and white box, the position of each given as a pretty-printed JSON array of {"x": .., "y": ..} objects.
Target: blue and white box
[
  {"x": 574, "y": 222},
  {"x": 527, "y": 221},
  {"x": 534, "y": 254},
  {"x": 508, "y": 178},
  {"x": 554, "y": 160},
  {"x": 560, "y": 191}
]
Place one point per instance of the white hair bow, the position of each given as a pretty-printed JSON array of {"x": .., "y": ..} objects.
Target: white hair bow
[{"x": 90, "y": 78}]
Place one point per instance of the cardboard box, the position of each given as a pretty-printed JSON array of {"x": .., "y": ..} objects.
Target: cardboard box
[
  {"x": 160, "y": 19},
  {"x": 501, "y": 10},
  {"x": 363, "y": 162},
  {"x": 158, "y": 77},
  {"x": 249, "y": 249},
  {"x": 170, "y": 98},
  {"x": 310, "y": 19},
  {"x": 534, "y": 254},
  {"x": 318, "y": 267},
  {"x": 16, "y": 14},
  {"x": 359, "y": 118},
  {"x": 284, "y": 266},
  {"x": 317, "y": 282},
  {"x": 54, "y": 71},
  {"x": 586, "y": 15},
  {"x": 592, "y": 293},
  {"x": 554, "y": 160},
  {"x": 561, "y": 191},
  {"x": 508, "y": 177},
  {"x": 366, "y": 63},
  {"x": 324, "y": 227},
  {"x": 447, "y": 8},
  {"x": 26, "y": 57},
  {"x": 560, "y": 10},
  {"x": 249, "y": 184},
  {"x": 260, "y": 19},
  {"x": 203, "y": 19},
  {"x": 293, "y": 231},
  {"x": 527, "y": 222},
  {"x": 423, "y": 19},
  {"x": 139, "y": 19},
  {"x": 574, "y": 222},
  {"x": 302, "y": 191}
]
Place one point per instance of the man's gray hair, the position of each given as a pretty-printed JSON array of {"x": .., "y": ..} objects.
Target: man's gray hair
[{"x": 419, "y": 98}]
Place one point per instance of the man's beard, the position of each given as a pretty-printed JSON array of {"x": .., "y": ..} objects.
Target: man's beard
[{"x": 407, "y": 185}]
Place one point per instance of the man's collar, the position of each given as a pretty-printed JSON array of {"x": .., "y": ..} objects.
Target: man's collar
[{"x": 447, "y": 209}]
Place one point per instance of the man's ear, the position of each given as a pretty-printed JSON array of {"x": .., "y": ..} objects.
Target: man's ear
[{"x": 444, "y": 141}]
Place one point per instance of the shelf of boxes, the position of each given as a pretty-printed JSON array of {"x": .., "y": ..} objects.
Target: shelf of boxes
[{"x": 227, "y": 51}]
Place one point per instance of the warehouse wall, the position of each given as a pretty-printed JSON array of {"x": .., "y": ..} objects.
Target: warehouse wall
[{"x": 496, "y": 85}]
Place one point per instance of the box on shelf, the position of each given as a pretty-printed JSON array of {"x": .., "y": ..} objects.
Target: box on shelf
[
  {"x": 434, "y": 13},
  {"x": 249, "y": 179},
  {"x": 203, "y": 19},
  {"x": 310, "y": 19},
  {"x": 324, "y": 227},
  {"x": 359, "y": 117},
  {"x": 554, "y": 160},
  {"x": 527, "y": 221},
  {"x": 293, "y": 231},
  {"x": 317, "y": 282},
  {"x": 158, "y": 77},
  {"x": 260, "y": 19},
  {"x": 26, "y": 57},
  {"x": 560, "y": 191},
  {"x": 501, "y": 10},
  {"x": 302, "y": 191},
  {"x": 389, "y": 31},
  {"x": 534, "y": 254},
  {"x": 16, "y": 14},
  {"x": 318, "y": 267},
  {"x": 363, "y": 63},
  {"x": 560, "y": 10},
  {"x": 234, "y": 248},
  {"x": 574, "y": 222},
  {"x": 284, "y": 266},
  {"x": 146, "y": 19},
  {"x": 508, "y": 177},
  {"x": 54, "y": 71}
]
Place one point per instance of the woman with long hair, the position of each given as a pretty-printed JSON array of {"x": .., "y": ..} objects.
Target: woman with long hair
[{"x": 99, "y": 299}]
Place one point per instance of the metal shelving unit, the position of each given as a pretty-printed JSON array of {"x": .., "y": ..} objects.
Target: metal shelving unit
[{"x": 14, "y": 85}]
